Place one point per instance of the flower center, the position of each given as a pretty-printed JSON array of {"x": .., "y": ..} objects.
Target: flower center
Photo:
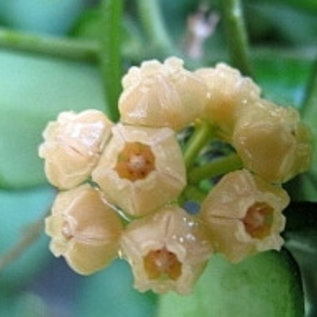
[
  {"x": 258, "y": 220},
  {"x": 136, "y": 161},
  {"x": 162, "y": 262}
]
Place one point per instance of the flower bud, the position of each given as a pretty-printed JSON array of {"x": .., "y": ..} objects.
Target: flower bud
[
  {"x": 73, "y": 145},
  {"x": 84, "y": 229},
  {"x": 228, "y": 92},
  {"x": 244, "y": 215},
  {"x": 141, "y": 169},
  {"x": 272, "y": 142},
  {"x": 158, "y": 95},
  {"x": 167, "y": 251}
]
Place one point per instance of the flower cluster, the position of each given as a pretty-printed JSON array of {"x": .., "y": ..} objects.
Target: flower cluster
[{"x": 122, "y": 184}]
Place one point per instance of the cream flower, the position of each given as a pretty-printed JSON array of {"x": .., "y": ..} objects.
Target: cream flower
[
  {"x": 84, "y": 229},
  {"x": 141, "y": 169},
  {"x": 167, "y": 251},
  {"x": 73, "y": 145},
  {"x": 272, "y": 142},
  {"x": 158, "y": 95},
  {"x": 244, "y": 215},
  {"x": 228, "y": 92}
]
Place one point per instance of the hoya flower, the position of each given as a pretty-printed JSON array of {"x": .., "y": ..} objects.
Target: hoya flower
[
  {"x": 73, "y": 145},
  {"x": 228, "y": 92},
  {"x": 272, "y": 141},
  {"x": 244, "y": 215},
  {"x": 141, "y": 169},
  {"x": 167, "y": 251},
  {"x": 84, "y": 229},
  {"x": 158, "y": 95}
]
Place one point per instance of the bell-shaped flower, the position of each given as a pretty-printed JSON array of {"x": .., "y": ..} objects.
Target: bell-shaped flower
[
  {"x": 228, "y": 92},
  {"x": 243, "y": 214},
  {"x": 84, "y": 229},
  {"x": 141, "y": 169},
  {"x": 158, "y": 95},
  {"x": 167, "y": 250},
  {"x": 73, "y": 145},
  {"x": 272, "y": 141}
]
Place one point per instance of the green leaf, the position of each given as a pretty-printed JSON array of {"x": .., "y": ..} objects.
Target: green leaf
[
  {"x": 264, "y": 285},
  {"x": 33, "y": 91},
  {"x": 282, "y": 80},
  {"x": 281, "y": 24},
  {"x": 309, "y": 181},
  {"x": 17, "y": 210},
  {"x": 110, "y": 294},
  {"x": 301, "y": 239}
]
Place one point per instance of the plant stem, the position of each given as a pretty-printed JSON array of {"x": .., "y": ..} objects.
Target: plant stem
[
  {"x": 202, "y": 135},
  {"x": 30, "y": 235},
  {"x": 110, "y": 54},
  {"x": 236, "y": 34},
  {"x": 151, "y": 18},
  {"x": 52, "y": 46},
  {"x": 215, "y": 168},
  {"x": 193, "y": 193}
]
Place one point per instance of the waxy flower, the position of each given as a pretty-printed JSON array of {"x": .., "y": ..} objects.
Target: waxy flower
[
  {"x": 244, "y": 215},
  {"x": 159, "y": 95},
  {"x": 272, "y": 141},
  {"x": 84, "y": 229},
  {"x": 141, "y": 169},
  {"x": 73, "y": 145},
  {"x": 228, "y": 92},
  {"x": 167, "y": 250}
]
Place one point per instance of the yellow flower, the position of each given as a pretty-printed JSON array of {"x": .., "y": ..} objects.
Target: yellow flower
[
  {"x": 158, "y": 95},
  {"x": 73, "y": 145},
  {"x": 167, "y": 251},
  {"x": 244, "y": 215},
  {"x": 84, "y": 229},
  {"x": 228, "y": 92},
  {"x": 141, "y": 169},
  {"x": 272, "y": 142}
]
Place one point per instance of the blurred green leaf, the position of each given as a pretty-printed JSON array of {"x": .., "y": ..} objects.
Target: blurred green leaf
[
  {"x": 282, "y": 79},
  {"x": 33, "y": 91},
  {"x": 17, "y": 210},
  {"x": 309, "y": 181},
  {"x": 301, "y": 240},
  {"x": 53, "y": 17},
  {"x": 264, "y": 285},
  {"x": 110, "y": 294},
  {"x": 280, "y": 24},
  {"x": 309, "y": 5}
]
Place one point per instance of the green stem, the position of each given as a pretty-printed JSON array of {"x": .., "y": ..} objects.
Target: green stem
[
  {"x": 153, "y": 24},
  {"x": 52, "y": 46},
  {"x": 236, "y": 34},
  {"x": 193, "y": 193},
  {"x": 31, "y": 234},
  {"x": 110, "y": 55},
  {"x": 215, "y": 168},
  {"x": 200, "y": 137}
]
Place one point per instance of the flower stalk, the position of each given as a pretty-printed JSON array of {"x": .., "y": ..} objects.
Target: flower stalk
[
  {"x": 49, "y": 45},
  {"x": 215, "y": 168},
  {"x": 110, "y": 54},
  {"x": 236, "y": 34}
]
